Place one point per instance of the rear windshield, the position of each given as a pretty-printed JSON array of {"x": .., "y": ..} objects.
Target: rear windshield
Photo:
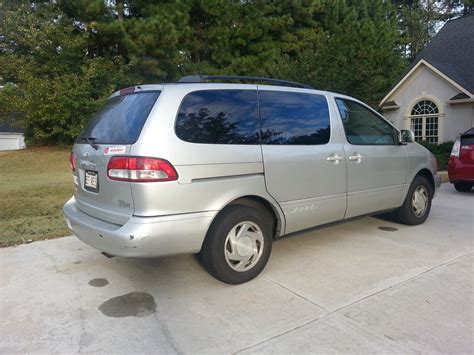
[
  {"x": 121, "y": 120},
  {"x": 467, "y": 140}
]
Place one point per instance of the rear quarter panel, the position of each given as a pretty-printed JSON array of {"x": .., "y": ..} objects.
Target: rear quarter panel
[{"x": 210, "y": 175}]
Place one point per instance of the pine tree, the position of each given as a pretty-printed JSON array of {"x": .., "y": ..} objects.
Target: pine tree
[
  {"x": 359, "y": 53},
  {"x": 59, "y": 61}
]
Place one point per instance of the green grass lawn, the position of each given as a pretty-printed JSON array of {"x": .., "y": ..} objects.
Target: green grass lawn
[{"x": 34, "y": 185}]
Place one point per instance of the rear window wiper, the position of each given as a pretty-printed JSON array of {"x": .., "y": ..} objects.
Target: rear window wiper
[{"x": 91, "y": 141}]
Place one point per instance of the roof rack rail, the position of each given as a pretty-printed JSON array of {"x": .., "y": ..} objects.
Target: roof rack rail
[{"x": 205, "y": 78}]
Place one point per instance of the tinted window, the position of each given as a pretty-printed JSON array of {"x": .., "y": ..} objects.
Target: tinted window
[
  {"x": 363, "y": 127},
  {"x": 294, "y": 118},
  {"x": 219, "y": 117},
  {"x": 467, "y": 140},
  {"x": 121, "y": 120}
]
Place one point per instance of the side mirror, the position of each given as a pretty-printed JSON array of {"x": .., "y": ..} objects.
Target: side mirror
[{"x": 407, "y": 136}]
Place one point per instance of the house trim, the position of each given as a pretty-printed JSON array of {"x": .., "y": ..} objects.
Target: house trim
[
  {"x": 460, "y": 101},
  {"x": 409, "y": 75}
]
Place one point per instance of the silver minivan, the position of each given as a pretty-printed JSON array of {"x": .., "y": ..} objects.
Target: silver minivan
[{"x": 222, "y": 169}]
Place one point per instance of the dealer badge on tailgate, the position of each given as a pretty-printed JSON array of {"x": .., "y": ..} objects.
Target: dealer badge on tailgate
[{"x": 91, "y": 181}]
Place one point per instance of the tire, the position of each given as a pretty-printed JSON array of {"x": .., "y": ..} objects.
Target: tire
[
  {"x": 231, "y": 263},
  {"x": 463, "y": 186},
  {"x": 415, "y": 209}
]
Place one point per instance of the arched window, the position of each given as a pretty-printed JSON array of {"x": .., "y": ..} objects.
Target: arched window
[{"x": 424, "y": 121}]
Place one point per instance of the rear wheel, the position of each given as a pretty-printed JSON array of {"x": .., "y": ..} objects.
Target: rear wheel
[
  {"x": 238, "y": 244},
  {"x": 417, "y": 204},
  {"x": 463, "y": 186}
]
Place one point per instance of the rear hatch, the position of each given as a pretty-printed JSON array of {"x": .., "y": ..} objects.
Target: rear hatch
[
  {"x": 111, "y": 132},
  {"x": 466, "y": 152}
]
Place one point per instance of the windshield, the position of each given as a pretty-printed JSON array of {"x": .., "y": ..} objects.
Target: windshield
[{"x": 121, "y": 120}]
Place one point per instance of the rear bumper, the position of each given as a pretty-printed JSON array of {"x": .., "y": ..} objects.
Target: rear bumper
[
  {"x": 458, "y": 171},
  {"x": 141, "y": 237}
]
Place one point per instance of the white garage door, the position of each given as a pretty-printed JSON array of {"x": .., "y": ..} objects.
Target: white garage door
[{"x": 9, "y": 142}]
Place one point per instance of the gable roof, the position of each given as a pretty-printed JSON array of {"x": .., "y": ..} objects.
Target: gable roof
[
  {"x": 6, "y": 128},
  {"x": 451, "y": 52}
]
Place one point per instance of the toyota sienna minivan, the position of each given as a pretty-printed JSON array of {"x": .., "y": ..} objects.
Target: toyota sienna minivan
[{"x": 222, "y": 169}]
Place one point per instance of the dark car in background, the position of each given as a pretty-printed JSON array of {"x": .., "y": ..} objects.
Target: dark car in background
[{"x": 461, "y": 162}]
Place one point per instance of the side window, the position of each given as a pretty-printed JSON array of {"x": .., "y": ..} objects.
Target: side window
[
  {"x": 219, "y": 117},
  {"x": 293, "y": 118},
  {"x": 363, "y": 127}
]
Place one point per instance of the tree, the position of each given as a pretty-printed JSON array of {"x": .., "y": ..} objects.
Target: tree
[
  {"x": 144, "y": 34},
  {"x": 359, "y": 53},
  {"x": 51, "y": 87},
  {"x": 246, "y": 38},
  {"x": 60, "y": 60},
  {"x": 419, "y": 20}
]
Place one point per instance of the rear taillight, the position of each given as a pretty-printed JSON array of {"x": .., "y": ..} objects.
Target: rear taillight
[
  {"x": 456, "y": 148},
  {"x": 140, "y": 169},
  {"x": 72, "y": 161}
]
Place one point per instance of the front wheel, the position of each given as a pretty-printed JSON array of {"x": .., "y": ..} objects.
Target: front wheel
[
  {"x": 238, "y": 244},
  {"x": 463, "y": 186},
  {"x": 417, "y": 204}
]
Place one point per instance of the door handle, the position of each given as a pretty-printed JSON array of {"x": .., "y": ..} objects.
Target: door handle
[
  {"x": 334, "y": 158},
  {"x": 356, "y": 157}
]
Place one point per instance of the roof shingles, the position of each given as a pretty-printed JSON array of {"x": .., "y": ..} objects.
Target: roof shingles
[{"x": 451, "y": 51}]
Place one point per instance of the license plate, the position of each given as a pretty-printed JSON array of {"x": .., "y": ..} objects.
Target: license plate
[{"x": 91, "y": 182}]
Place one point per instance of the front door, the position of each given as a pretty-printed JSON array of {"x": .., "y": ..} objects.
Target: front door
[
  {"x": 305, "y": 169},
  {"x": 376, "y": 162}
]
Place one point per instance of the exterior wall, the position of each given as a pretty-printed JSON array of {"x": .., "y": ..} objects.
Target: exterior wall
[
  {"x": 11, "y": 141},
  {"x": 426, "y": 84},
  {"x": 461, "y": 113}
]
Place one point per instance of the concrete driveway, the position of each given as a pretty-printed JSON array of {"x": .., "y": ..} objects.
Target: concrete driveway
[{"x": 368, "y": 285}]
